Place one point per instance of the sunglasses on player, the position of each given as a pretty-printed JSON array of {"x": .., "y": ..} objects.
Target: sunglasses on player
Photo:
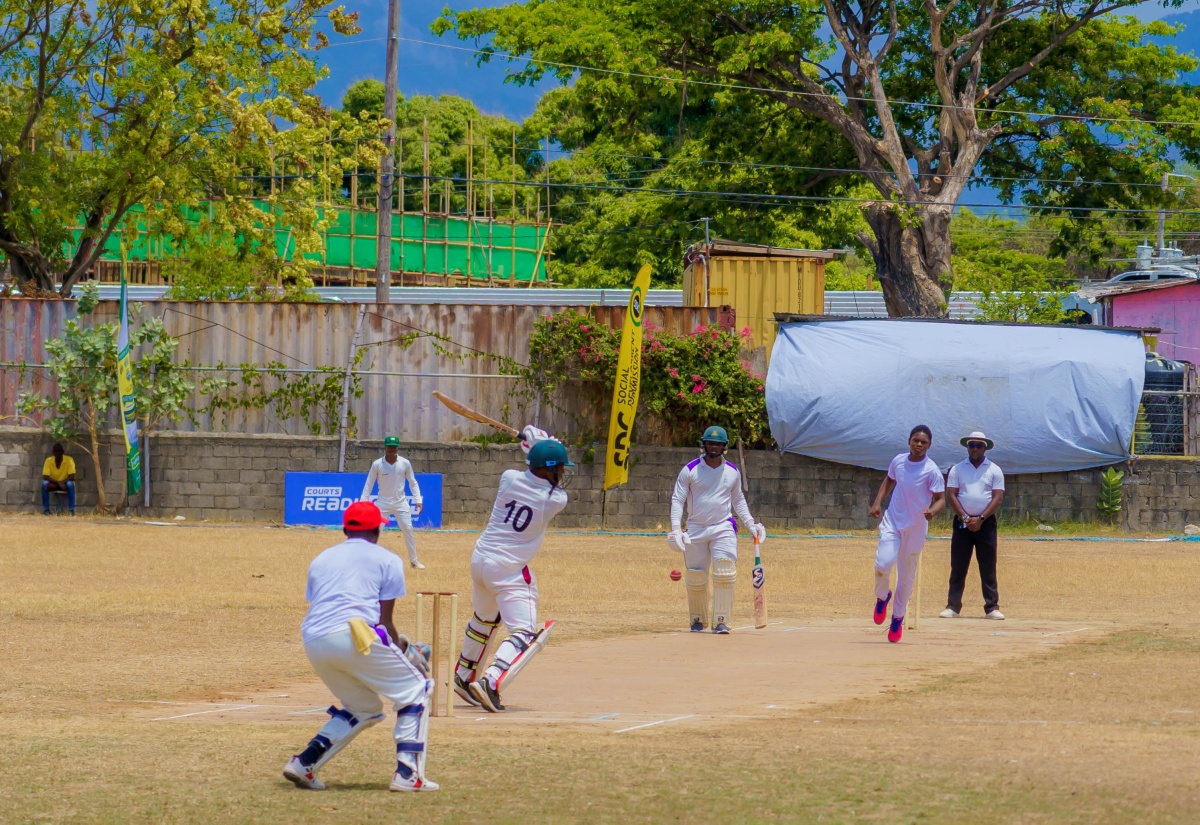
[{"x": 976, "y": 445}]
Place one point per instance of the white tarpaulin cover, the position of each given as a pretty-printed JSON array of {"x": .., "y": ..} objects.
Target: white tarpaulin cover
[{"x": 1052, "y": 398}]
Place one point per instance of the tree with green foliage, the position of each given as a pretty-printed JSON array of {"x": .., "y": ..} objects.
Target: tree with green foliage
[
  {"x": 1038, "y": 95},
  {"x": 116, "y": 103},
  {"x": 82, "y": 364}
]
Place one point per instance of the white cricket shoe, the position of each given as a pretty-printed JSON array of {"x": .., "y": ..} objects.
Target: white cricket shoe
[
  {"x": 416, "y": 565},
  {"x": 300, "y": 776},
  {"x": 948, "y": 613},
  {"x": 996, "y": 615},
  {"x": 412, "y": 784}
]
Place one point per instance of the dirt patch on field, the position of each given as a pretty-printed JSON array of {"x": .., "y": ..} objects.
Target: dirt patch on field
[{"x": 632, "y": 683}]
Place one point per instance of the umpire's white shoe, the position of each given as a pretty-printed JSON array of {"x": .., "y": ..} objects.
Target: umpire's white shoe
[
  {"x": 996, "y": 615},
  {"x": 416, "y": 565},
  {"x": 949, "y": 613},
  {"x": 300, "y": 776},
  {"x": 412, "y": 784}
]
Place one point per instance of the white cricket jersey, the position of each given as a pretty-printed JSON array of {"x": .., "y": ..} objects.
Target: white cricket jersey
[
  {"x": 391, "y": 478},
  {"x": 975, "y": 484},
  {"x": 916, "y": 482},
  {"x": 712, "y": 495},
  {"x": 348, "y": 581},
  {"x": 524, "y": 507}
]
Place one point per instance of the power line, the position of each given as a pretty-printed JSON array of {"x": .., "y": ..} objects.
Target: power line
[{"x": 738, "y": 87}]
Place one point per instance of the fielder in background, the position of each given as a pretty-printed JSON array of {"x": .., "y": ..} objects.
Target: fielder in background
[
  {"x": 711, "y": 489},
  {"x": 391, "y": 472},
  {"x": 353, "y": 645},
  {"x": 918, "y": 494},
  {"x": 502, "y": 585},
  {"x": 974, "y": 490}
]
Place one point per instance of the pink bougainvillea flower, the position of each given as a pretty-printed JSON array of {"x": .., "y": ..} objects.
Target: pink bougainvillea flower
[{"x": 674, "y": 372}]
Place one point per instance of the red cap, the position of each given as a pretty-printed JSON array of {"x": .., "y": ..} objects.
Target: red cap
[{"x": 362, "y": 515}]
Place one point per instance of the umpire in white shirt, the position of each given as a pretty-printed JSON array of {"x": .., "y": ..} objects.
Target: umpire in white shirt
[{"x": 974, "y": 491}]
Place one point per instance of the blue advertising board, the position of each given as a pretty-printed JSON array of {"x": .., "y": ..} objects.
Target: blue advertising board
[{"x": 321, "y": 498}]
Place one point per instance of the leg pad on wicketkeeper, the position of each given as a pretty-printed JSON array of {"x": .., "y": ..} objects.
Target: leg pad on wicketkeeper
[
  {"x": 521, "y": 646},
  {"x": 696, "y": 584},
  {"x": 724, "y": 575},
  {"x": 335, "y": 735},
  {"x": 412, "y": 735}
]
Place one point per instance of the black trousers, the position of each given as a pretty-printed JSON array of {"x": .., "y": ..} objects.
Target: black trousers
[{"x": 983, "y": 543}]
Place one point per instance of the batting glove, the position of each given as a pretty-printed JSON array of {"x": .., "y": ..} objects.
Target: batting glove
[
  {"x": 759, "y": 533},
  {"x": 678, "y": 540},
  {"x": 532, "y": 435}
]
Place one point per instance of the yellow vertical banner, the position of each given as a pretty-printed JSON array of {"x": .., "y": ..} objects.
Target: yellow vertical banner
[
  {"x": 628, "y": 385},
  {"x": 133, "y": 459}
]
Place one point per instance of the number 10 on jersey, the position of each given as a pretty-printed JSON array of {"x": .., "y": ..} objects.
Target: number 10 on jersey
[{"x": 519, "y": 515}]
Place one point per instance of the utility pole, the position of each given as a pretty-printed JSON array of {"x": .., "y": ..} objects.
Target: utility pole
[
  {"x": 1162, "y": 214},
  {"x": 383, "y": 249}
]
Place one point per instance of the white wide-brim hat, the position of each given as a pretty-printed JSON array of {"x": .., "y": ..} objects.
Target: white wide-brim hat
[{"x": 977, "y": 436}]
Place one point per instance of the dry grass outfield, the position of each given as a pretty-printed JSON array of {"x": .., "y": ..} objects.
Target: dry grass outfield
[{"x": 93, "y": 612}]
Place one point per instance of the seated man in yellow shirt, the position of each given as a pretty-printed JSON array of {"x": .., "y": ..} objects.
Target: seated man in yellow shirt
[{"x": 58, "y": 475}]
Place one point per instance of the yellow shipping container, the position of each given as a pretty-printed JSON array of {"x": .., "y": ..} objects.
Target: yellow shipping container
[{"x": 757, "y": 281}]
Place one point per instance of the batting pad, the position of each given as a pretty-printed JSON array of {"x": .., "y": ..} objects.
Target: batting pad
[
  {"x": 696, "y": 583},
  {"x": 724, "y": 575}
]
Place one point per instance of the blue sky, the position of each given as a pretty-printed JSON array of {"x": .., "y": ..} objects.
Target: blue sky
[{"x": 434, "y": 70}]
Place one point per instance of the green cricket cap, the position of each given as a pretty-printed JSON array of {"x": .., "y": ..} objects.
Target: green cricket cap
[{"x": 391, "y": 441}]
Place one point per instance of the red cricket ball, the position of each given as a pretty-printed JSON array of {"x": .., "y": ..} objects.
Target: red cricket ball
[{"x": 676, "y": 575}]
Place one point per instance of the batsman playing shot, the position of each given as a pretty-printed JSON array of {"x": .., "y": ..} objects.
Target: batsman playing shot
[
  {"x": 502, "y": 585},
  {"x": 391, "y": 471},
  {"x": 352, "y": 643},
  {"x": 711, "y": 490}
]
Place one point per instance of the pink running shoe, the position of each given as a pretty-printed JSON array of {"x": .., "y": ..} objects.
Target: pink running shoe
[
  {"x": 881, "y": 608},
  {"x": 896, "y": 630}
]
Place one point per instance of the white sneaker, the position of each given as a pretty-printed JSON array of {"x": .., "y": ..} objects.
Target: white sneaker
[
  {"x": 300, "y": 776},
  {"x": 416, "y": 565},
  {"x": 948, "y": 613},
  {"x": 997, "y": 615},
  {"x": 412, "y": 784}
]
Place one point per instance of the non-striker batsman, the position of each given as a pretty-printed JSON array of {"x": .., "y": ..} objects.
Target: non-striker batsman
[{"x": 710, "y": 488}]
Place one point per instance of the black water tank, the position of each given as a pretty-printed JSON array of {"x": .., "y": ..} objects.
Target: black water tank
[{"x": 1162, "y": 399}]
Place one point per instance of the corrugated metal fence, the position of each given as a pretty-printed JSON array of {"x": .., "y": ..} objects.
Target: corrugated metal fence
[{"x": 464, "y": 362}]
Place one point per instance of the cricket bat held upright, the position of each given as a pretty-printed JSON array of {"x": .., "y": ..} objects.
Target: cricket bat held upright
[{"x": 760, "y": 598}]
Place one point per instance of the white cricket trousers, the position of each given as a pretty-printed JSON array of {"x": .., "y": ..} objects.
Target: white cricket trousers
[
  {"x": 711, "y": 542},
  {"x": 900, "y": 549},
  {"x": 403, "y": 516},
  {"x": 358, "y": 681},
  {"x": 497, "y": 590}
]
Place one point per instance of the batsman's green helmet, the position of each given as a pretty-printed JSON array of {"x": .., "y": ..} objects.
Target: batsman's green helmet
[
  {"x": 391, "y": 441},
  {"x": 716, "y": 434},
  {"x": 548, "y": 453}
]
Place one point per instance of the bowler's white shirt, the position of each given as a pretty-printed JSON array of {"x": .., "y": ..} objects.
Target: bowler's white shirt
[
  {"x": 916, "y": 483},
  {"x": 520, "y": 515},
  {"x": 712, "y": 495},
  {"x": 391, "y": 478},
  {"x": 975, "y": 484},
  {"x": 348, "y": 581}
]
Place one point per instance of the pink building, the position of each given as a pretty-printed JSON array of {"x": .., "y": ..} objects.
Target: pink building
[{"x": 1172, "y": 306}]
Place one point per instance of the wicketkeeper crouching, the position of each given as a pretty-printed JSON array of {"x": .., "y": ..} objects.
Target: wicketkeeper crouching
[{"x": 353, "y": 645}]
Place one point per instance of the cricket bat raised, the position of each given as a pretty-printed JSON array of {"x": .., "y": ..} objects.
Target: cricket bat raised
[
  {"x": 760, "y": 598},
  {"x": 474, "y": 415}
]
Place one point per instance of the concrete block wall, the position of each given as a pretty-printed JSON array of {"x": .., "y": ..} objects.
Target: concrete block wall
[{"x": 231, "y": 477}]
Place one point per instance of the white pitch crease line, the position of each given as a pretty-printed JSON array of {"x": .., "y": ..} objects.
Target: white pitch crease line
[
  {"x": 1065, "y": 632},
  {"x": 652, "y": 724},
  {"x": 202, "y": 712}
]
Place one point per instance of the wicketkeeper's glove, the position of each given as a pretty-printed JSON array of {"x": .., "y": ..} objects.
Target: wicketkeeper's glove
[{"x": 415, "y": 652}]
